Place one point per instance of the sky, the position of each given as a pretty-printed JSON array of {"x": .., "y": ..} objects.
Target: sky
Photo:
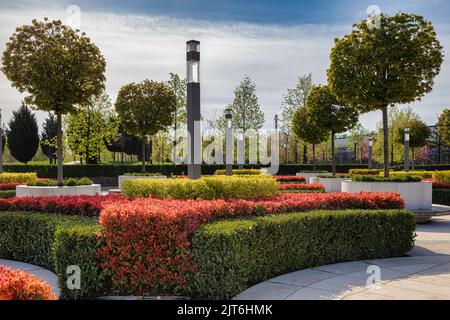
[{"x": 273, "y": 42}]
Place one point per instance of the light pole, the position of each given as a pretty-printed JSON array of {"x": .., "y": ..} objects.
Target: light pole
[
  {"x": 276, "y": 122},
  {"x": 1, "y": 142},
  {"x": 370, "y": 152},
  {"x": 193, "y": 109},
  {"x": 229, "y": 142},
  {"x": 406, "y": 165},
  {"x": 241, "y": 149}
]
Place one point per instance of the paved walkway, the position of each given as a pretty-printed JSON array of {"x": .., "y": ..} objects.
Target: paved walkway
[
  {"x": 45, "y": 275},
  {"x": 424, "y": 274}
]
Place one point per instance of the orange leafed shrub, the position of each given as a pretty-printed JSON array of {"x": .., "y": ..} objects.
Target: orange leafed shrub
[{"x": 19, "y": 285}]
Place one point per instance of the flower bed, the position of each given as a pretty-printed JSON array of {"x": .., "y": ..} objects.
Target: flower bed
[
  {"x": 18, "y": 285},
  {"x": 68, "y": 205},
  {"x": 166, "y": 225}
]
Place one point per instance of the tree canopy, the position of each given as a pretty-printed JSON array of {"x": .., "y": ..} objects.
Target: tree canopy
[
  {"x": 91, "y": 129},
  {"x": 330, "y": 114},
  {"x": 375, "y": 67},
  {"x": 418, "y": 133},
  {"x": 58, "y": 68},
  {"x": 444, "y": 126},
  {"x": 22, "y": 134},
  {"x": 145, "y": 108},
  {"x": 245, "y": 108}
]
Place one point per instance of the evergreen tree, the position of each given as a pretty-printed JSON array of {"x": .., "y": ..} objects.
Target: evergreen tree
[
  {"x": 22, "y": 134},
  {"x": 48, "y": 137}
]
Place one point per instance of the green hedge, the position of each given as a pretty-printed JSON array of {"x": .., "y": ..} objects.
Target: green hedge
[
  {"x": 233, "y": 255},
  {"x": 6, "y": 194},
  {"x": 431, "y": 167},
  {"x": 112, "y": 170},
  {"x": 53, "y": 242},
  {"x": 441, "y": 196},
  {"x": 211, "y": 187}
]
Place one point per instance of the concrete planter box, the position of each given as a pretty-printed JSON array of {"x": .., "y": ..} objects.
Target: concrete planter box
[
  {"x": 123, "y": 178},
  {"x": 417, "y": 195},
  {"x": 309, "y": 175},
  {"x": 330, "y": 184},
  {"x": 32, "y": 191}
]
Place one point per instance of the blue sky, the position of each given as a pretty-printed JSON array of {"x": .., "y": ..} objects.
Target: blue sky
[{"x": 273, "y": 42}]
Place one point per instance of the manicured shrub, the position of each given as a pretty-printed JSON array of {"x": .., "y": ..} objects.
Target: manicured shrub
[
  {"x": 441, "y": 196},
  {"x": 301, "y": 186},
  {"x": 416, "y": 173},
  {"x": 442, "y": 177},
  {"x": 7, "y": 194},
  {"x": 365, "y": 171},
  {"x": 142, "y": 174},
  {"x": 54, "y": 183},
  {"x": 88, "y": 206},
  {"x": 14, "y": 177},
  {"x": 29, "y": 237},
  {"x": 212, "y": 187},
  {"x": 114, "y": 170},
  {"x": 9, "y": 186},
  {"x": 232, "y": 255},
  {"x": 240, "y": 172},
  {"x": 395, "y": 178},
  {"x": 283, "y": 179},
  {"x": 19, "y": 285},
  {"x": 77, "y": 246},
  {"x": 147, "y": 239}
]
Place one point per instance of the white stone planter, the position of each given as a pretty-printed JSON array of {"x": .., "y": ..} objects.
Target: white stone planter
[
  {"x": 123, "y": 178},
  {"x": 35, "y": 191},
  {"x": 417, "y": 195},
  {"x": 330, "y": 184},
  {"x": 309, "y": 175}
]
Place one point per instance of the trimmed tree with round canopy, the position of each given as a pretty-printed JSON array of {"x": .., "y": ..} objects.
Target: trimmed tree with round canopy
[
  {"x": 418, "y": 135},
  {"x": 57, "y": 67},
  {"x": 307, "y": 129},
  {"x": 376, "y": 66},
  {"x": 330, "y": 114},
  {"x": 145, "y": 109}
]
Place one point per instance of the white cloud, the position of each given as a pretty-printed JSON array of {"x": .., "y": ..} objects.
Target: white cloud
[{"x": 140, "y": 47}]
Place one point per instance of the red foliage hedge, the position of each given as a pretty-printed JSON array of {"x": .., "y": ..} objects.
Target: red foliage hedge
[
  {"x": 301, "y": 186},
  {"x": 147, "y": 249},
  {"x": 9, "y": 186},
  {"x": 289, "y": 179},
  {"x": 19, "y": 285},
  {"x": 89, "y": 206}
]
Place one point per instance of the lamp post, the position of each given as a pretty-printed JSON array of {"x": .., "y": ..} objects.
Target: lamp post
[
  {"x": 1, "y": 142},
  {"x": 276, "y": 122},
  {"x": 241, "y": 149},
  {"x": 406, "y": 165},
  {"x": 229, "y": 142},
  {"x": 370, "y": 152},
  {"x": 193, "y": 108}
]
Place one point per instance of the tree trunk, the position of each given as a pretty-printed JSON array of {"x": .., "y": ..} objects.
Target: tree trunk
[
  {"x": 386, "y": 141},
  {"x": 314, "y": 157},
  {"x": 143, "y": 144},
  {"x": 59, "y": 143},
  {"x": 305, "y": 154},
  {"x": 412, "y": 158},
  {"x": 295, "y": 152},
  {"x": 333, "y": 159}
]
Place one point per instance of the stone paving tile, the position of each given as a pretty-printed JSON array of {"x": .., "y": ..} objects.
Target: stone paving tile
[
  {"x": 413, "y": 268},
  {"x": 312, "y": 294},
  {"x": 395, "y": 262},
  {"x": 442, "y": 270},
  {"x": 344, "y": 268},
  {"x": 365, "y": 295},
  {"x": 432, "y": 279},
  {"x": 340, "y": 284},
  {"x": 19, "y": 265},
  {"x": 421, "y": 286},
  {"x": 303, "y": 277},
  {"x": 399, "y": 293},
  {"x": 385, "y": 274},
  {"x": 268, "y": 291}
]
